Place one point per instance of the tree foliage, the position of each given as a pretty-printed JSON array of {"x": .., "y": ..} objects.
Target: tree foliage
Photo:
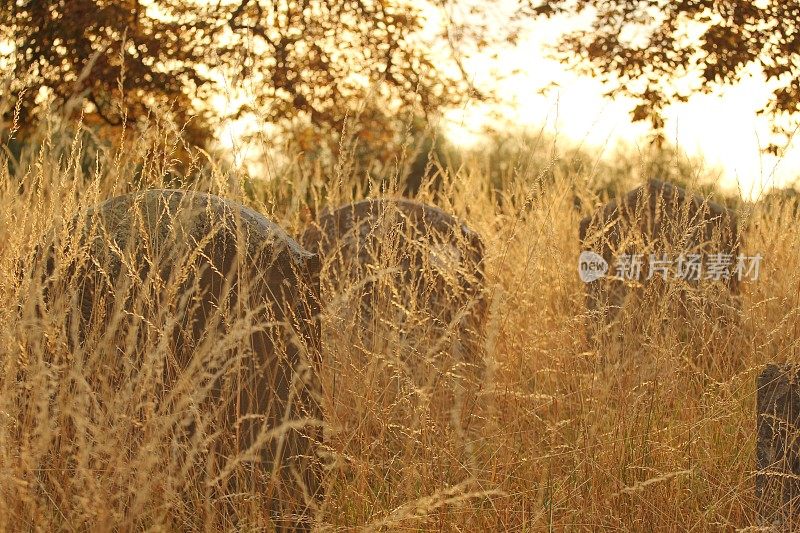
[
  {"x": 72, "y": 51},
  {"x": 645, "y": 46},
  {"x": 307, "y": 60}
]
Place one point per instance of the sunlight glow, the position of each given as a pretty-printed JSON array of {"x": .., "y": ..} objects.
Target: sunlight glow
[{"x": 723, "y": 127}]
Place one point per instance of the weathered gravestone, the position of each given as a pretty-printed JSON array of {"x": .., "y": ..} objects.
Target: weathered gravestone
[
  {"x": 778, "y": 447},
  {"x": 233, "y": 301},
  {"x": 663, "y": 221},
  {"x": 408, "y": 279}
]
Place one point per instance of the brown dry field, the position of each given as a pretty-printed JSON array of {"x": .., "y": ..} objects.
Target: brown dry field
[{"x": 654, "y": 433}]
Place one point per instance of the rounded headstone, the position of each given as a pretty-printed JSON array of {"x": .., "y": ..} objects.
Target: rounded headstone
[
  {"x": 406, "y": 279},
  {"x": 230, "y": 302}
]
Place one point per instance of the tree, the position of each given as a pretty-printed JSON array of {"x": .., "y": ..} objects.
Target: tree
[
  {"x": 307, "y": 60},
  {"x": 72, "y": 51},
  {"x": 641, "y": 46}
]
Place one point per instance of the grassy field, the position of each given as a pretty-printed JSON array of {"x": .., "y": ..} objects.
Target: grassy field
[{"x": 655, "y": 433}]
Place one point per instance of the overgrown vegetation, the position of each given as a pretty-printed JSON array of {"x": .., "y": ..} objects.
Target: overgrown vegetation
[{"x": 656, "y": 434}]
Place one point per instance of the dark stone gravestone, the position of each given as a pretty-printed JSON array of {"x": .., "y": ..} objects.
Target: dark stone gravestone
[
  {"x": 201, "y": 269},
  {"x": 658, "y": 219},
  {"x": 406, "y": 279},
  {"x": 778, "y": 447}
]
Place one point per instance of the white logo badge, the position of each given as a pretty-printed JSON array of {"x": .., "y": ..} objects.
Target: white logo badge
[{"x": 591, "y": 266}]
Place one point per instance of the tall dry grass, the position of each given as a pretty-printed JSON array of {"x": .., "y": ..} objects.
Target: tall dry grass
[{"x": 656, "y": 434}]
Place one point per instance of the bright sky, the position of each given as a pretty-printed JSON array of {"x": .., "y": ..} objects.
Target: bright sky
[{"x": 723, "y": 127}]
